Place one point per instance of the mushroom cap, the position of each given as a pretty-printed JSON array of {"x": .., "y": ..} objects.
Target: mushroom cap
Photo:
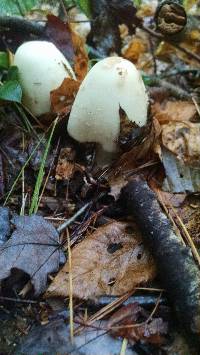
[
  {"x": 42, "y": 68},
  {"x": 112, "y": 83}
]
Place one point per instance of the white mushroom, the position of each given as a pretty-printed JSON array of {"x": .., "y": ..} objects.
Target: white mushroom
[
  {"x": 112, "y": 83},
  {"x": 42, "y": 68}
]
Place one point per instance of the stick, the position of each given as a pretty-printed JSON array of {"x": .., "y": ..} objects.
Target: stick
[
  {"x": 166, "y": 39},
  {"x": 176, "y": 267},
  {"x": 20, "y": 24},
  {"x": 69, "y": 221}
]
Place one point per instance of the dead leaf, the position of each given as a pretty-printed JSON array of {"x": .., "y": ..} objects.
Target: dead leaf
[
  {"x": 60, "y": 34},
  {"x": 131, "y": 315},
  {"x": 4, "y": 224},
  {"x": 180, "y": 178},
  {"x": 34, "y": 249},
  {"x": 69, "y": 43},
  {"x": 134, "y": 50},
  {"x": 110, "y": 261},
  {"x": 168, "y": 111},
  {"x": 81, "y": 57},
  {"x": 63, "y": 97},
  {"x": 54, "y": 339},
  {"x": 187, "y": 208},
  {"x": 182, "y": 139},
  {"x": 129, "y": 161},
  {"x": 66, "y": 166}
]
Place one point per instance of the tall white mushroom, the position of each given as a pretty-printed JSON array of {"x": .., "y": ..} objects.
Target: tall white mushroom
[
  {"x": 42, "y": 68},
  {"x": 112, "y": 83}
]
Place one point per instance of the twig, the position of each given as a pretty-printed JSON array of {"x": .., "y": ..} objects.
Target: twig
[
  {"x": 178, "y": 46},
  {"x": 69, "y": 221},
  {"x": 20, "y": 24},
  {"x": 19, "y": 300},
  {"x": 105, "y": 310},
  {"x": 173, "y": 89}
]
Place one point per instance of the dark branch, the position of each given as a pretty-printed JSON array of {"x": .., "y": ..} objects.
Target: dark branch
[
  {"x": 176, "y": 267},
  {"x": 21, "y": 24}
]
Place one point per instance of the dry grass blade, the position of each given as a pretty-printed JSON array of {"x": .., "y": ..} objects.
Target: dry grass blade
[{"x": 105, "y": 311}]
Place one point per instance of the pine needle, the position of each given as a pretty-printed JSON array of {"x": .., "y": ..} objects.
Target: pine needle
[{"x": 71, "y": 312}]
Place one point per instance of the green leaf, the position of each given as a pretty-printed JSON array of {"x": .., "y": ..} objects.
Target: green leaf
[
  {"x": 11, "y": 91},
  {"x": 16, "y": 7},
  {"x": 137, "y": 3},
  {"x": 69, "y": 3},
  {"x": 4, "y": 61},
  {"x": 147, "y": 79},
  {"x": 13, "y": 73},
  {"x": 85, "y": 6}
]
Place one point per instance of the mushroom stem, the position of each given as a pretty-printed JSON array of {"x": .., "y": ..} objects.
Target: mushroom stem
[{"x": 104, "y": 158}]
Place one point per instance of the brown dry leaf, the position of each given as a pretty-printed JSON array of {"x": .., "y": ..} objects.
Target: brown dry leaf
[
  {"x": 135, "y": 49},
  {"x": 111, "y": 261},
  {"x": 182, "y": 139},
  {"x": 81, "y": 57},
  {"x": 130, "y": 161},
  {"x": 69, "y": 43},
  {"x": 63, "y": 97},
  {"x": 147, "y": 10},
  {"x": 150, "y": 332},
  {"x": 173, "y": 111},
  {"x": 66, "y": 166},
  {"x": 138, "y": 51},
  {"x": 188, "y": 209}
]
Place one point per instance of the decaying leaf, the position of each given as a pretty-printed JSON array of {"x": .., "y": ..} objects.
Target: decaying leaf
[
  {"x": 173, "y": 111},
  {"x": 183, "y": 140},
  {"x": 151, "y": 331},
  {"x": 81, "y": 57},
  {"x": 129, "y": 161},
  {"x": 187, "y": 208},
  {"x": 60, "y": 34},
  {"x": 180, "y": 178},
  {"x": 110, "y": 261},
  {"x": 63, "y": 97},
  {"x": 134, "y": 50},
  {"x": 66, "y": 166},
  {"x": 69, "y": 43},
  {"x": 4, "y": 224},
  {"x": 54, "y": 339},
  {"x": 33, "y": 248}
]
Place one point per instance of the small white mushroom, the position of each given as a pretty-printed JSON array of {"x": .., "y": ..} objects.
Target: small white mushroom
[
  {"x": 112, "y": 83},
  {"x": 42, "y": 68}
]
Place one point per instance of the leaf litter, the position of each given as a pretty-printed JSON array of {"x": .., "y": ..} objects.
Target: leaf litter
[
  {"x": 34, "y": 249},
  {"x": 110, "y": 261}
]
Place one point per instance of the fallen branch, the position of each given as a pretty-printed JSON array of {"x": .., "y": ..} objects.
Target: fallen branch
[
  {"x": 20, "y": 24},
  {"x": 176, "y": 267},
  {"x": 174, "y": 44}
]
